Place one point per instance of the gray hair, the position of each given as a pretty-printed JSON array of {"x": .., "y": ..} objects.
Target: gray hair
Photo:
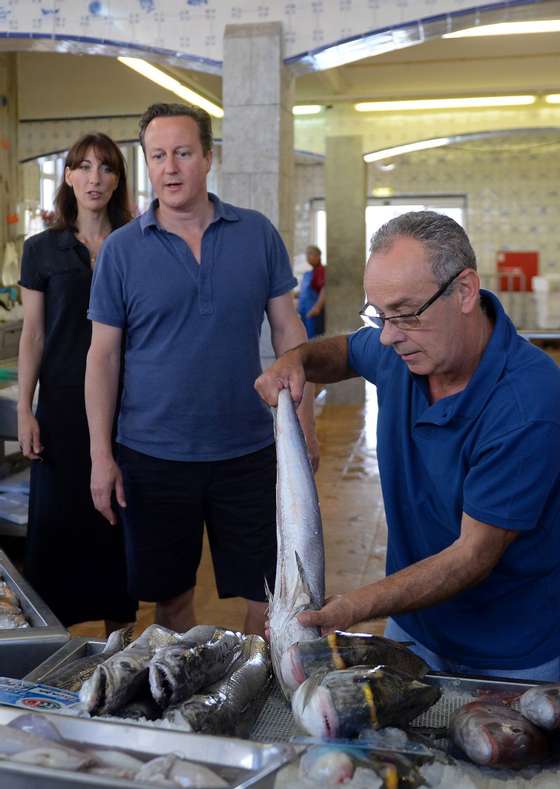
[
  {"x": 446, "y": 243},
  {"x": 163, "y": 110}
]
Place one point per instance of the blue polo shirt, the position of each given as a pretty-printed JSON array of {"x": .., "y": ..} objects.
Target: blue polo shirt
[
  {"x": 192, "y": 332},
  {"x": 492, "y": 451}
]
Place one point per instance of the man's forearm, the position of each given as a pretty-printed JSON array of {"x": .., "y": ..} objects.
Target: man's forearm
[
  {"x": 423, "y": 584},
  {"x": 326, "y": 361},
  {"x": 101, "y": 387}
]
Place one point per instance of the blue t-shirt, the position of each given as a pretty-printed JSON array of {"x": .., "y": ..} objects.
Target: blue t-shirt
[
  {"x": 192, "y": 332},
  {"x": 493, "y": 452}
]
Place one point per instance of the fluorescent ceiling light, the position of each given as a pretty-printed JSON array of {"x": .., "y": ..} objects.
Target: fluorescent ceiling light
[
  {"x": 444, "y": 104},
  {"x": 169, "y": 83},
  {"x": 508, "y": 29},
  {"x": 398, "y": 150},
  {"x": 307, "y": 109},
  {"x": 552, "y": 98}
]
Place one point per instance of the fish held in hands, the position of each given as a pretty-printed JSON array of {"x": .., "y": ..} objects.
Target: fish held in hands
[{"x": 300, "y": 568}]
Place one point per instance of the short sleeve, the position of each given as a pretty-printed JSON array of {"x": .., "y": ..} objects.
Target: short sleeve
[
  {"x": 513, "y": 475},
  {"x": 282, "y": 279},
  {"x": 364, "y": 353},
  {"x": 107, "y": 303},
  {"x": 33, "y": 274}
]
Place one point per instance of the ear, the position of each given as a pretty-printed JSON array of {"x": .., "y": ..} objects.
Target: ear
[
  {"x": 209, "y": 157},
  {"x": 68, "y": 176},
  {"x": 469, "y": 290}
]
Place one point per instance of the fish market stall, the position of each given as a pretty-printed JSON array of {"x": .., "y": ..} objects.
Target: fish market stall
[{"x": 31, "y": 632}]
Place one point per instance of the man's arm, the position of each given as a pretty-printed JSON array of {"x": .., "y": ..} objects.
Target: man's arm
[
  {"x": 319, "y": 305},
  {"x": 321, "y": 361},
  {"x": 101, "y": 387},
  {"x": 465, "y": 563},
  {"x": 287, "y": 332}
]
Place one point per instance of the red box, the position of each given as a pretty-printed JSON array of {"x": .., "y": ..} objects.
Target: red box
[{"x": 521, "y": 267}]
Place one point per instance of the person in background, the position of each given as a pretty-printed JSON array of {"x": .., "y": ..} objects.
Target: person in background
[
  {"x": 468, "y": 438},
  {"x": 189, "y": 283},
  {"x": 312, "y": 294},
  {"x": 73, "y": 558}
]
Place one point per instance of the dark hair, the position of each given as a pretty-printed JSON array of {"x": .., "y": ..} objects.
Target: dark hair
[
  {"x": 313, "y": 248},
  {"x": 200, "y": 116},
  {"x": 446, "y": 242},
  {"x": 108, "y": 152}
]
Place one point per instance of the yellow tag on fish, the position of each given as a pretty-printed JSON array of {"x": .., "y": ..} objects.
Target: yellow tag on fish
[
  {"x": 391, "y": 777},
  {"x": 370, "y": 701},
  {"x": 336, "y": 656}
]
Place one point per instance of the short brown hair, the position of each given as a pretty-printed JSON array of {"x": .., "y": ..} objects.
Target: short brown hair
[
  {"x": 108, "y": 152},
  {"x": 162, "y": 110}
]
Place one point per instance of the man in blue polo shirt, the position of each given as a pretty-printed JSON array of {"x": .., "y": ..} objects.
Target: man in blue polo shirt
[
  {"x": 184, "y": 288},
  {"x": 469, "y": 458}
]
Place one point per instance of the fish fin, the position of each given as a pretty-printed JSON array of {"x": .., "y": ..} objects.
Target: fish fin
[
  {"x": 305, "y": 585},
  {"x": 267, "y": 591}
]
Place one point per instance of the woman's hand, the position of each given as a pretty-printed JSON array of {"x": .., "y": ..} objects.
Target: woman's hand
[{"x": 29, "y": 436}]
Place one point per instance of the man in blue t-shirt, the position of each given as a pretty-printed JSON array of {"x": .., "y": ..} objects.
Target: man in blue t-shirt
[
  {"x": 469, "y": 458},
  {"x": 184, "y": 289}
]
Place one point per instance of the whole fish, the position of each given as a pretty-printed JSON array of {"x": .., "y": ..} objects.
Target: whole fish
[
  {"x": 494, "y": 735},
  {"x": 300, "y": 567},
  {"x": 121, "y": 676},
  {"x": 541, "y": 705},
  {"x": 73, "y": 675},
  {"x": 343, "y": 703},
  {"x": 179, "y": 670},
  {"x": 220, "y": 708},
  {"x": 343, "y": 650}
]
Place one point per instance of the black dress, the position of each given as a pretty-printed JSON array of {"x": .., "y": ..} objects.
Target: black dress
[{"x": 74, "y": 558}]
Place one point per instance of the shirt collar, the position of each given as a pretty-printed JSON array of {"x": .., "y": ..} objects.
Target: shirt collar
[
  {"x": 470, "y": 402},
  {"x": 222, "y": 210},
  {"x": 66, "y": 239}
]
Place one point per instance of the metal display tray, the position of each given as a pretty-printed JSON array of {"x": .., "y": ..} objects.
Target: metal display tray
[
  {"x": 241, "y": 763},
  {"x": 21, "y": 649},
  {"x": 275, "y": 722}
]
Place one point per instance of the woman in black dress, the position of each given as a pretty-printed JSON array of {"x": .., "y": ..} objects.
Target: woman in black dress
[{"x": 74, "y": 559}]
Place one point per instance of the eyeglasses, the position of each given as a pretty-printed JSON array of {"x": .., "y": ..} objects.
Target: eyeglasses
[{"x": 411, "y": 320}]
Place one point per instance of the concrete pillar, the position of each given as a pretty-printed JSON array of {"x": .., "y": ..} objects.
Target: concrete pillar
[
  {"x": 346, "y": 198},
  {"x": 258, "y": 131}
]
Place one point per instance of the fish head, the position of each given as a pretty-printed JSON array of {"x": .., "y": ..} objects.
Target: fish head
[{"x": 314, "y": 710}]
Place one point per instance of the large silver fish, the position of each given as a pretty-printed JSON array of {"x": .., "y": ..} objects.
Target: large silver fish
[
  {"x": 117, "y": 680},
  {"x": 221, "y": 708},
  {"x": 300, "y": 567},
  {"x": 73, "y": 675},
  {"x": 179, "y": 670}
]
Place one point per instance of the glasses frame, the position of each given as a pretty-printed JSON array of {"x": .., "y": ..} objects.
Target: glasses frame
[{"x": 380, "y": 321}]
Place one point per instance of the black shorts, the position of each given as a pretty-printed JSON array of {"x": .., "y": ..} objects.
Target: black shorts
[{"x": 168, "y": 503}]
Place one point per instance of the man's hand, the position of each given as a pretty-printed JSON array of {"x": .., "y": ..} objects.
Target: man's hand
[
  {"x": 337, "y": 614},
  {"x": 286, "y": 373},
  {"x": 314, "y": 312},
  {"x": 29, "y": 436},
  {"x": 105, "y": 477}
]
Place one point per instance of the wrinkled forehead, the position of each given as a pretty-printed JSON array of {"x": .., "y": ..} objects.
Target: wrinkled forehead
[{"x": 398, "y": 275}]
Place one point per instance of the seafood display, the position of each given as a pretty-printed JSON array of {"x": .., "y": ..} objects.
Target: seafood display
[
  {"x": 300, "y": 568},
  {"x": 11, "y": 615},
  {"x": 343, "y": 650},
  {"x": 493, "y": 734},
  {"x": 30, "y": 740},
  {"x": 541, "y": 705},
  {"x": 219, "y": 709},
  {"x": 343, "y": 703}
]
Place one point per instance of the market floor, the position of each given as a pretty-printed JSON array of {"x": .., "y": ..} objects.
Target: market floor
[{"x": 353, "y": 520}]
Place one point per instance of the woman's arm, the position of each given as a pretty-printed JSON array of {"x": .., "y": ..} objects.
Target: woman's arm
[{"x": 29, "y": 363}]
